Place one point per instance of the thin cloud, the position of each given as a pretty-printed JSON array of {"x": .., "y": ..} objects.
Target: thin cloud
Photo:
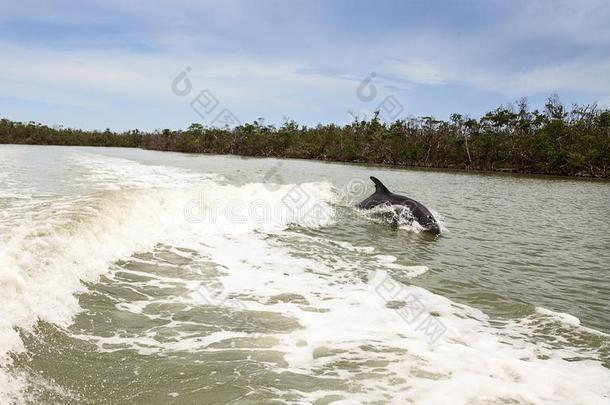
[{"x": 267, "y": 59}]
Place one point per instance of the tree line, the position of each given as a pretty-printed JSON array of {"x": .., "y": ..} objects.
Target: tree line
[{"x": 556, "y": 140}]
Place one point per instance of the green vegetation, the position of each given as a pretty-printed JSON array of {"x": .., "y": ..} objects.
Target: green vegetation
[
  {"x": 558, "y": 141},
  {"x": 32, "y": 133}
]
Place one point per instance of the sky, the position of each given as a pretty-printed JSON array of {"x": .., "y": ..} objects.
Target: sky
[{"x": 124, "y": 64}]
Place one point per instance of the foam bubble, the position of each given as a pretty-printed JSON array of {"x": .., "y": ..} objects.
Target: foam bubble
[
  {"x": 350, "y": 317},
  {"x": 51, "y": 247}
]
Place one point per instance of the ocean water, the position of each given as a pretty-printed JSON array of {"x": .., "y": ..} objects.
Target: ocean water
[{"x": 131, "y": 276}]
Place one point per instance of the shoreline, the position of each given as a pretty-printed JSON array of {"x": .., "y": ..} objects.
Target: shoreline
[
  {"x": 498, "y": 172},
  {"x": 558, "y": 142}
]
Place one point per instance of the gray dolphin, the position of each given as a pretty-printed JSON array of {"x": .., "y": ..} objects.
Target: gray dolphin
[{"x": 415, "y": 210}]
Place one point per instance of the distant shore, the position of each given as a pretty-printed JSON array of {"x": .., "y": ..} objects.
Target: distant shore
[{"x": 574, "y": 143}]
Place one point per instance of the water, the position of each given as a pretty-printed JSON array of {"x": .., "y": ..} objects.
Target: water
[{"x": 130, "y": 276}]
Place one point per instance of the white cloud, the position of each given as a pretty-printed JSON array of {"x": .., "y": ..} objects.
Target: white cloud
[
  {"x": 584, "y": 22},
  {"x": 584, "y": 75},
  {"x": 225, "y": 59},
  {"x": 419, "y": 71},
  {"x": 93, "y": 79}
]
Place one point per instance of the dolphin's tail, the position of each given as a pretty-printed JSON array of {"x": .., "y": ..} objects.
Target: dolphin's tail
[{"x": 379, "y": 187}]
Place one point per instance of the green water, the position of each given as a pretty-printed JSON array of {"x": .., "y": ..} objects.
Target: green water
[{"x": 520, "y": 278}]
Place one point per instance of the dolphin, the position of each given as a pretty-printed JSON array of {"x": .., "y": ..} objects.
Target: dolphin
[{"x": 414, "y": 210}]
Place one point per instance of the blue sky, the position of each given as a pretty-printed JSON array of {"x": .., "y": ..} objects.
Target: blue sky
[{"x": 98, "y": 64}]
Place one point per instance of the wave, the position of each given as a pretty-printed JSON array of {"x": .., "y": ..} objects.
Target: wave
[
  {"x": 343, "y": 302},
  {"x": 56, "y": 246}
]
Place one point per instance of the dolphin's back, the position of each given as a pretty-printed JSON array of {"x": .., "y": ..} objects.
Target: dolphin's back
[
  {"x": 383, "y": 196},
  {"x": 392, "y": 199}
]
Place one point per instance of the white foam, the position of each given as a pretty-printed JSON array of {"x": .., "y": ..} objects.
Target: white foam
[
  {"x": 388, "y": 213},
  {"x": 55, "y": 245},
  {"x": 50, "y": 249},
  {"x": 473, "y": 361},
  {"x": 567, "y": 319},
  {"x": 111, "y": 173},
  {"x": 562, "y": 317}
]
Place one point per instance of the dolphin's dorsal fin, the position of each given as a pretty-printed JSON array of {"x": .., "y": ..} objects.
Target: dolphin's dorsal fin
[{"x": 379, "y": 187}]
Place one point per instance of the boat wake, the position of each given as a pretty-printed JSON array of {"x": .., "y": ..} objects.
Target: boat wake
[{"x": 243, "y": 278}]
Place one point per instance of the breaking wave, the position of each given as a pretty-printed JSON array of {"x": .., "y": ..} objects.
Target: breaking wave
[{"x": 339, "y": 302}]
